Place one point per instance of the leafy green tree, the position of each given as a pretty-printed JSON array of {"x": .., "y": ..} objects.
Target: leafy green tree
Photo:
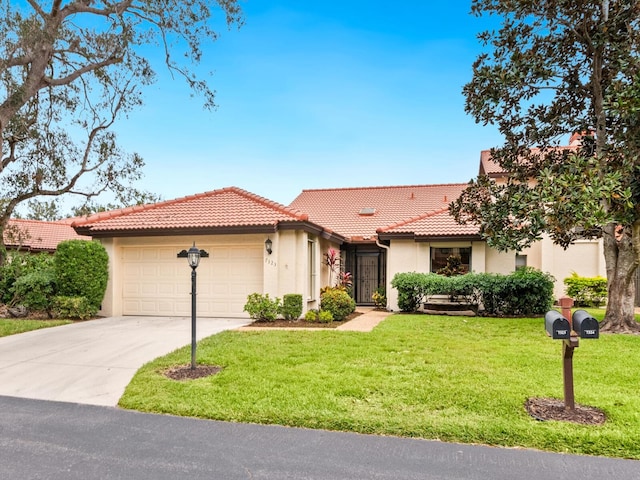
[
  {"x": 554, "y": 68},
  {"x": 46, "y": 211},
  {"x": 68, "y": 70}
]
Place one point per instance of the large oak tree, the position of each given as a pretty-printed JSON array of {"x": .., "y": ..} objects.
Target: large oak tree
[
  {"x": 553, "y": 68},
  {"x": 69, "y": 69}
]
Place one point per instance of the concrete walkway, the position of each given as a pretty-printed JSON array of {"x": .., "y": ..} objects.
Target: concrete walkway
[
  {"x": 92, "y": 362},
  {"x": 366, "y": 322}
]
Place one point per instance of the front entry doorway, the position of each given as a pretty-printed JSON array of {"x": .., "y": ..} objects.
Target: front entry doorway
[{"x": 368, "y": 276}]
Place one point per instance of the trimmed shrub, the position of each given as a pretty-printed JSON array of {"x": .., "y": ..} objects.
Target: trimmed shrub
[
  {"x": 82, "y": 270},
  {"x": 74, "y": 308},
  {"x": 411, "y": 290},
  {"x": 338, "y": 302},
  {"x": 325, "y": 316},
  {"x": 261, "y": 308},
  {"x": 586, "y": 291},
  {"x": 311, "y": 316},
  {"x": 525, "y": 292},
  {"x": 35, "y": 290},
  {"x": 291, "y": 306}
]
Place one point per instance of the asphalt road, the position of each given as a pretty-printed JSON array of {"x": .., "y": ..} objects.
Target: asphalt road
[{"x": 54, "y": 440}]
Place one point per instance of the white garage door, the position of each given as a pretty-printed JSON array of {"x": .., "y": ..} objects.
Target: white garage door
[{"x": 155, "y": 282}]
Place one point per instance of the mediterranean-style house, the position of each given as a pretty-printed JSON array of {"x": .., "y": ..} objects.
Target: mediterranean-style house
[{"x": 256, "y": 245}]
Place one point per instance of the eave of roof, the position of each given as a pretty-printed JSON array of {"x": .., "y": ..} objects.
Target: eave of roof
[{"x": 436, "y": 225}]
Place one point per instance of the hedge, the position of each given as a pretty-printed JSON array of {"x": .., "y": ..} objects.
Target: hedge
[
  {"x": 525, "y": 292},
  {"x": 586, "y": 291},
  {"x": 82, "y": 270}
]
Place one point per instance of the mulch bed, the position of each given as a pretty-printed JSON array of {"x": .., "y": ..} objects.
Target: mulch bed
[
  {"x": 184, "y": 372},
  {"x": 301, "y": 323},
  {"x": 553, "y": 409}
]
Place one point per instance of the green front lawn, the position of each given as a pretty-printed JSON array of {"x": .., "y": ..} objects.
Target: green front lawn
[
  {"x": 451, "y": 378},
  {"x": 11, "y": 326}
]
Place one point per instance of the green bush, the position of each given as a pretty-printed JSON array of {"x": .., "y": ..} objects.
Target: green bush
[
  {"x": 81, "y": 269},
  {"x": 525, "y": 292},
  {"x": 261, "y": 308},
  {"x": 18, "y": 264},
  {"x": 586, "y": 291},
  {"x": 75, "y": 308},
  {"x": 411, "y": 290},
  {"x": 291, "y": 306},
  {"x": 311, "y": 316},
  {"x": 338, "y": 302},
  {"x": 35, "y": 290},
  {"x": 325, "y": 316}
]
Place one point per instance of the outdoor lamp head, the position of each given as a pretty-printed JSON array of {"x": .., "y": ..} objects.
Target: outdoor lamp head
[
  {"x": 267, "y": 245},
  {"x": 193, "y": 256}
]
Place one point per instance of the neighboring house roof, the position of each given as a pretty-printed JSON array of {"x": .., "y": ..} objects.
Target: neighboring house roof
[
  {"x": 491, "y": 168},
  {"x": 358, "y": 213},
  {"x": 39, "y": 236},
  {"x": 488, "y": 166},
  {"x": 433, "y": 225},
  {"x": 228, "y": 210}
]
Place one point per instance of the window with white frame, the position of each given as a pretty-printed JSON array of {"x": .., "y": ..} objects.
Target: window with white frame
[{"x": 440, "y": 256}]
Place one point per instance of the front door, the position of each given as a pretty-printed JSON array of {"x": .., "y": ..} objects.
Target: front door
[{"x": 367, "y": 276}]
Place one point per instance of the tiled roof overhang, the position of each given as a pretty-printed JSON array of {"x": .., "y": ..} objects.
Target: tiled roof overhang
[{"x": 222, "y": 230}]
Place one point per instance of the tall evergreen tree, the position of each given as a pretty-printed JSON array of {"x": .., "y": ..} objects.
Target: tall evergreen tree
[{"x": 553, "y": 68}]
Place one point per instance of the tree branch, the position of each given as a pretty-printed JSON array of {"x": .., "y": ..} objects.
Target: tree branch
[{"x": 54, "y": 82}]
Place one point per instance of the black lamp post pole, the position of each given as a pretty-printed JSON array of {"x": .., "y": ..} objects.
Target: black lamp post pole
[{"x": 193, "y": 318}]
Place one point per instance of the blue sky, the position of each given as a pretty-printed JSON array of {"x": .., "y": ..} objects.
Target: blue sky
[{"x": 319, "y": 94}]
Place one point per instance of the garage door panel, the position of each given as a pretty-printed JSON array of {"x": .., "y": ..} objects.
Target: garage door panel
[{"x": 155, "y": 282}]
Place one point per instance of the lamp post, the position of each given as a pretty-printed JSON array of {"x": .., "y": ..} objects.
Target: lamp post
[{"x": 193, "y": 258}]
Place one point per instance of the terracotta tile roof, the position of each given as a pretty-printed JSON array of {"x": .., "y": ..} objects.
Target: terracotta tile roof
[
  {"x": 357, "y": 213},
  {"x": 218, "y": 209},
  {"x": 491, "y": 168},
  {"x": 35, "y": 235},
  {"x": 433, "y": 224},
  {"x": 488, "y": 166}
]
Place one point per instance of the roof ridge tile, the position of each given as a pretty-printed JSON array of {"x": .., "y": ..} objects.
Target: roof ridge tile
[
  {"x": 402, "y": 223},
  {"x": 297, "y": 214},
  {"x": 386, "y": 187}
]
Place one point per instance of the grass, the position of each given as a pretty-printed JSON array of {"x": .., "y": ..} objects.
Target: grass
[
  {"x": 450, "y": 378},
  {"x": 12, "y": 326}
]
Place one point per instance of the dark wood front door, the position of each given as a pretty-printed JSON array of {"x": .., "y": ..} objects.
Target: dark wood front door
[{"x": 367, "y": 277}]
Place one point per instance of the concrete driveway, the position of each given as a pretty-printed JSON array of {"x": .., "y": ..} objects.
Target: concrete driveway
[{"x": 92, "y": 362}]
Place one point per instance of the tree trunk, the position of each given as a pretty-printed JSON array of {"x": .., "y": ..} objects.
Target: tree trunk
[{"x": 621, "y": 263}]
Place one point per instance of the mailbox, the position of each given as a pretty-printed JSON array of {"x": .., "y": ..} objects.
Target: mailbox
[
  {"x": 585, "y": 325},
  {"x": 557, "y": 326}
]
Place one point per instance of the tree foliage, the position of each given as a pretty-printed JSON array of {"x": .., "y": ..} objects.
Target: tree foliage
[
  {"x": 69, "y": 69},
  {"x": 555, "y": 68}
]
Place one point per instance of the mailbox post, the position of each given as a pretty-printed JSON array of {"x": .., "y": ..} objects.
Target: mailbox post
[{"x": 560, "y": 326}]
